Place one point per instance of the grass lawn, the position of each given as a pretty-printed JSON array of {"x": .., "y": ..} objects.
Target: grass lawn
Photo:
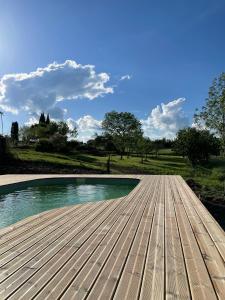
[{"x": 210, "y": 176}]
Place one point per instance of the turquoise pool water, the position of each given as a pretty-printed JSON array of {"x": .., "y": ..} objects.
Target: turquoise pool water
[{"x": 19, "y": 201}]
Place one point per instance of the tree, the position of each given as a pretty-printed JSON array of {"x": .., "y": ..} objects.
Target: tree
[
  {"x": 1, "y": 115},
  {"x": 148, "y": 147},
  {"x": 157, "y": 145},
  {"x": 102, "y": 143},
  {"x": 212, "y": 115},
  {"x": 197, "y": 145},
  {"x": 15, "y": 132},
  {"x": 123, "y": 127},
  {"x": 24, "y": 134},
  {"x": 144, "y": 146},
  {"x": 47, "y": 119},
  {"x": 42, "y": 120},
  {"x": 141, "y": 147}
]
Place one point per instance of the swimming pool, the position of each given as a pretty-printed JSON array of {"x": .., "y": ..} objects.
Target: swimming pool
[{"x": 22, "y": 200}]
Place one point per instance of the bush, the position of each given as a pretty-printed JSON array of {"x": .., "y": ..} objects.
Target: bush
[
  {"x": 44, "y": 145},
  {"x": 59, "y": 142},
  {"x": 5, "y": 153}
]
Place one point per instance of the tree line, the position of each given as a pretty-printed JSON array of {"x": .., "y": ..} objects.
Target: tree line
[{"x": 122, "y": 133}]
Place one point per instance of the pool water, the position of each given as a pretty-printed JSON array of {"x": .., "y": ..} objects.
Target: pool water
[{"x": 19, "y": 201}]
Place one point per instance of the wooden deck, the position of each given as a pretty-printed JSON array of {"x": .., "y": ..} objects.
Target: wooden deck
[{"x": 158, "y": 242}]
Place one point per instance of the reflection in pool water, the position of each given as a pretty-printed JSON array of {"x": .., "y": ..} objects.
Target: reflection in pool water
[{"x": 20, "y": 201}]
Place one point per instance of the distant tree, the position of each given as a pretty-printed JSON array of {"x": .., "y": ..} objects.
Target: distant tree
[
  {"x": 123, "y": 127},
  {"x": 47, "y": 119},
  {"x": 102, "y": 142},
  {"x": 212, "y": 115},
  {"x": 157, "y": 145},
  {"x": 24, "y": 134},
  {"x": 1, "y": 116},
  {"x": 141, "y": 147},
  {"x": 38, "y": 131},
  {"x": 144, "y": 146},
  {"x": 52, "y": 137},
  {"x": 42, "y": 120},
  {"x": 52, "y": 128},
  {"x": 63, "y": 128},
  {"x": 148, "y": 147},
  {"x": 197, "y": 145},
  {"x": 15, "y": 132},
  {"x": 166, "y": 143}
]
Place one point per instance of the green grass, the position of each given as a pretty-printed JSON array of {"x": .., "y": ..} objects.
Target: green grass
[
  {"x": 209, "y": 176},
  {"x": 76, "y": 161}
]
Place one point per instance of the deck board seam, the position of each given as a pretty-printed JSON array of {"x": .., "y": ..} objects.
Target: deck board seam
[
  {"x": 199, "y": 245},
  {"x": 109, "y": 254},
  {"x": 182, "y": 249},
  {"x": 124, "y": 264},
  {"x": 142, "y": 271},
  {"x": 147, "y": 249},
  {"x": 199, "y": 248},
  {"x": 206, "y": 226}
]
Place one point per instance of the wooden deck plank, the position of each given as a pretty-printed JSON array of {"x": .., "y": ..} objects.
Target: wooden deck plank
[
  {"x": 213, "y": 228},
  {"x": 153, "y": 279},
  {"x": 199, "y": 279},
  {"x": 131, "y": 278},
  {"x": 102, "y": 263},
  {"x": 211, "y": 256},
  {"x": 23, "y": 256},
  {"x": 98, "y": 240},
  {"x": 24, "y": 273},
  {"x": 23, "y": 242},
  {"x": 158, "y": 242},
  {"x": 177, "y": 286},
  {"x": 18, "y": 228}
]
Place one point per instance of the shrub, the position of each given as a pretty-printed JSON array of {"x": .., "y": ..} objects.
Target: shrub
[
  {"x": 59, "y": 142},
  {"x": 44, "y": 145},
  {"x": 5, "y": 153}
]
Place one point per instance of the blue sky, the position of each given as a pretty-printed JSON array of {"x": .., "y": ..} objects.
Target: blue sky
[{"x": 170, "y": 50}]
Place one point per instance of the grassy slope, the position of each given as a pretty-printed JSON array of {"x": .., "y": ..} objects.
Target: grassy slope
[{"x": 209, "y": 176}]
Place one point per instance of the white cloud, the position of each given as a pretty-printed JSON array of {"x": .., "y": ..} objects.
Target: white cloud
[
  {"x": 126, "y": 77},
  {"x": 42, "y": 89},
  {"x": 165, "y": 120},
  {"x": 31, "y": 121},
  {"x": 87, "y": 126}
]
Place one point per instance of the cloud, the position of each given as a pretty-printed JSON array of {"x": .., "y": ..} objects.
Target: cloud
[
  {"x": 42, "y": 89},
  {"x": 125, "y": 77},
  {"x": 165, "y": 120},
  {"x": 87, "y": 127},
  {"x": 31, "y": 121}
]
